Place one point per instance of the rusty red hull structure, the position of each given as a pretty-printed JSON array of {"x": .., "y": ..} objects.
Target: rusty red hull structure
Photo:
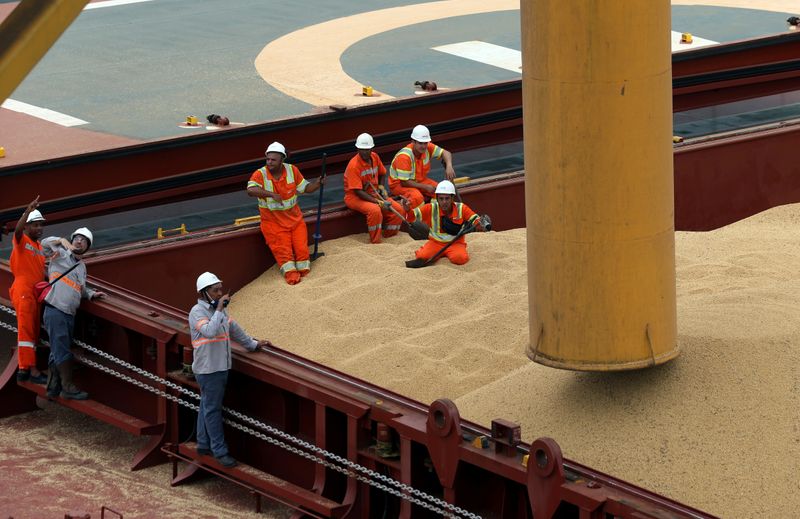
[
  {"x": 488, "y": 472},
  {"x": 438, "y": 453},
  {"x": 192, "y": 166}
]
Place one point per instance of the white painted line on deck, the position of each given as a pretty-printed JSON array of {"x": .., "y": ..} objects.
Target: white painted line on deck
[
  {"x": 511, "y": 59},
  {"x": 488, "y": 53},
  {"x": 43, "y": 113},
  {"x": 677, "y": 46},
  {"x": 112, "y": 3}
]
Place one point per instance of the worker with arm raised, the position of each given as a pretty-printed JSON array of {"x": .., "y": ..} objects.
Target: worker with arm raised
[
  {"x": 408, "y": 173},
  {"x": 364, "y": 191},
  {"x": 276, "y": 185},
  {"x": 447, "y": 220},
  {"x": 212, "y": 330},
  {"x": 28, "y": 267}
]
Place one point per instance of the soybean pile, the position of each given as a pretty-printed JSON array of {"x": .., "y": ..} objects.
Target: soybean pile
[{"x": 717, "y": 428}]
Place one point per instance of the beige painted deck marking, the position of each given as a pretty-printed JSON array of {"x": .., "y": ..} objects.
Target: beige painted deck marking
[{"x": 306, "y": 64}]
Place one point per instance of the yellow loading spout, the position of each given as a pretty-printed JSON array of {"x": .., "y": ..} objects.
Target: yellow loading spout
[{"x": 597, "y": 106}]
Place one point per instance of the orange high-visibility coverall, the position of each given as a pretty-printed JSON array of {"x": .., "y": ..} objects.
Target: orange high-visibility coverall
[
  {"x": 406, "y": 166},
  {"x": 360, "y": 174},
  {"x": 430, "y": 214},
  {"x": 282, "y": 222},
  {"x": 27, "y": 265}
]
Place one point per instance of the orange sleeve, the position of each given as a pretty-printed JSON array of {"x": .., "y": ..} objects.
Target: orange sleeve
[
  {"x": 352, "y": 175},
  {"x": 256, "y": 180},
  {"x": 421, "y": 213},
  {"x": 377, "y": 160},
  {"x": 402, "y": 162},
  {"x": 435, "y": 151},
  {"x": 466, "y": 212}
]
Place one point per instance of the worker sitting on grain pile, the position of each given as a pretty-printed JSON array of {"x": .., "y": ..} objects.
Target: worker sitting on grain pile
[
  {"x": 408, "y": 174},
  {"x": 212, "y": 330},
  {"x": 448, "y": 221},
  {"x": 276, "y": 186},
  {"x": 364, "y": 191}
]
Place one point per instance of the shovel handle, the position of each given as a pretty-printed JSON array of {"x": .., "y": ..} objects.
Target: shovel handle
[{"x": 391, "y": 207}]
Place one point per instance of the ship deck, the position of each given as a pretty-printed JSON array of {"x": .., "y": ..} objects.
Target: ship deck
[{"x": 131, "y": 72}]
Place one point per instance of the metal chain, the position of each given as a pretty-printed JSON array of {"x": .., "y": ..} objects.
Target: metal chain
[
  {"x": 262, "y": 436},
  {"x": 404, "y": 489}
]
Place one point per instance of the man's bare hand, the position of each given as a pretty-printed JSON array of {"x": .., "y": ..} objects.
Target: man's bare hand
[{"x": 34, "y": 204}]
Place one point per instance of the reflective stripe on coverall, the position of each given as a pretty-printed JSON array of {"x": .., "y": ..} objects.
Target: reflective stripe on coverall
[
  {"x": 438, "y": 237},
  {"x": 27, "y": 265},
  {"x": 405, "y": 166},
  {"x": 282, "y": 222},
  {"x": 359, "y": 175}
]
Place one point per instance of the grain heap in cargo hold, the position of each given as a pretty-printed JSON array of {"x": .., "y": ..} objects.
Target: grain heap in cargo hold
[{"x": 461, "y": 333}]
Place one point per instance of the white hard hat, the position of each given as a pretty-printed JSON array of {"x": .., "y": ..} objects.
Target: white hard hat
[
  {"x": 206, "y": 279},
  {"x": 445, "y": 187},
  {"x": 86, "y": 233},
  {"x": 365, "y": 142},
  {"x": 34, "y": 216},
  {"x": 421, "y": 133},
  {"x": 276, "y": 147}
]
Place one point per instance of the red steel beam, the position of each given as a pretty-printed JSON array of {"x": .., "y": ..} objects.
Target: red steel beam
[
  {"x": 737, "y": 54},
  {"x": 721, "y": 180}
]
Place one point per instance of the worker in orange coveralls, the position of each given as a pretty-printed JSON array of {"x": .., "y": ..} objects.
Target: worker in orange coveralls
[
  {"x": 27, "y": 265},
  {"x": 446, "y": 218},
  {"x": 408, "y": 174},
  {"x": 363, "y": 190},
  {"x": 276, "y": 186}
]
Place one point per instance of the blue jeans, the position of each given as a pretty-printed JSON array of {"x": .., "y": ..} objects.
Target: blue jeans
[
  {"x": 60, "y": 327},
  {"x": 209, "y": 417}
]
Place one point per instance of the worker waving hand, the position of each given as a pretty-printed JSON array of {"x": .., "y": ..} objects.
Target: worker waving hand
[
  {"x": 276, "y": 186},
  {"x": 448, "y": 221},
  {"x": 363, "y": 181},
  {"x": 27, "y": 265},
  {"x": 408, "y": 174}
]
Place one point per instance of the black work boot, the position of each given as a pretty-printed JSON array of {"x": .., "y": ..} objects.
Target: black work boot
[
  {"x": 69, "y": 390},
  {"x": 53, "y": 381}
]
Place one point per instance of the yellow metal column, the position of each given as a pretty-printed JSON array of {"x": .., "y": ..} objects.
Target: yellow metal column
[
  {"x": 597, "y": 102},
  {"x": 28, "y": 33}
]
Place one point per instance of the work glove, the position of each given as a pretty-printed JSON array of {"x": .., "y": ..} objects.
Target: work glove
[{"x": 382, "y": 191}]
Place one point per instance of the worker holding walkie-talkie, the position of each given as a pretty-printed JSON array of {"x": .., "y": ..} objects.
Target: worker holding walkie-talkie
[
  {"x": 364, "y": 191},
  {"x": 276, "y": 186},
  {"x": 212, "y": 330}
]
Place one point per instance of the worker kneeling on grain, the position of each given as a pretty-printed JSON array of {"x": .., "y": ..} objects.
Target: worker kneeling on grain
[
  {"x": 212, "y": 330},
  {"x": 448, "y": 221},
  {"x": 364, "y": 191},
  {"x": 276, "y": 186}
]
